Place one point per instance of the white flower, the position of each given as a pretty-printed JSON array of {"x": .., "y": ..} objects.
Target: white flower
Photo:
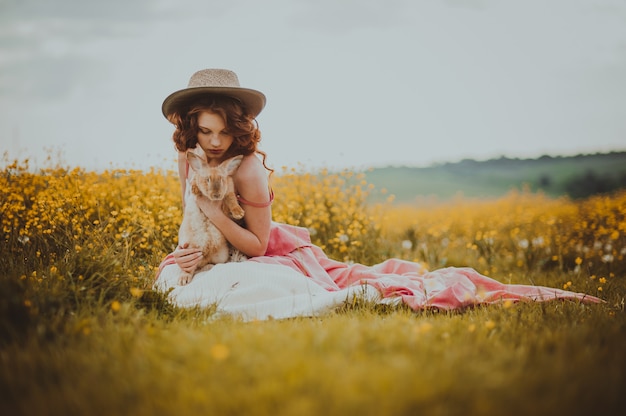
[
  {"x": 407, "y": 244},
  {"x": 538, "y": 241},
  {"x": 607, "y": 258}
]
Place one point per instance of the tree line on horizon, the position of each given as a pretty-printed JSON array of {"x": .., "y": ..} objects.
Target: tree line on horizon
[{"x": 577, "y": 176}]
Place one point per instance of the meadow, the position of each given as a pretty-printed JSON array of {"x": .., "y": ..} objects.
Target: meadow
[
  {"x": 577, "y": 176},
  {"x": 81, "y": 331}
]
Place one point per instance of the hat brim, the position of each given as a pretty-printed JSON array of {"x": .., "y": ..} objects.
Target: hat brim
[{"x": 252, "y": 100}]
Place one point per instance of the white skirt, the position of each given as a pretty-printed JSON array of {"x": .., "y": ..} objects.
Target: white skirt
[{"x": 257, "y": 291}]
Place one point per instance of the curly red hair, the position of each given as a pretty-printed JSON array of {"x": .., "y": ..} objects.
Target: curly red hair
[{"x": 243, "y": 127}]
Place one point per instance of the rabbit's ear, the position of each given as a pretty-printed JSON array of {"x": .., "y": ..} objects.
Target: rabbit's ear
[
  {"x": 232, "y": 164},
  {"x": 196, "y": 162}
]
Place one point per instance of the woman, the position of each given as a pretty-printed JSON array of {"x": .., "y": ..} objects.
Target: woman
[{"x": 286, "y": 275}]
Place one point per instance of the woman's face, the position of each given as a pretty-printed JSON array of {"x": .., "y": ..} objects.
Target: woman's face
[{"x": 213, "y": 136}]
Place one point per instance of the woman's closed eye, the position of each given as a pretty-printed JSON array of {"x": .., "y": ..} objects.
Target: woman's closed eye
[{"x": 209, "y": 131}]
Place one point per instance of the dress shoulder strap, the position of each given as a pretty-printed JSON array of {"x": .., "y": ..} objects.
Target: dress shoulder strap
[{"x": 244, "y": 201}]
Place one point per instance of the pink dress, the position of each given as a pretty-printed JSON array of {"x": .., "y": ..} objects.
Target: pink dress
[
  {"x": 290, "y": 247},
  {"x": 447, "y": 288}
]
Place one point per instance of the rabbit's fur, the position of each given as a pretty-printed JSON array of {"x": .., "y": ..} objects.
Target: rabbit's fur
[{"x": 196, "y": 230}]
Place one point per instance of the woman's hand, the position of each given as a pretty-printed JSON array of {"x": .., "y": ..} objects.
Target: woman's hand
[{"x": 187, "y": 258}]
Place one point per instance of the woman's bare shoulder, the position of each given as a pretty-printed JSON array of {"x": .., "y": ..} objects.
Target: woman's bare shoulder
[
  {"x": 251, "y": 167},
  {"x": 251, "y": 179}
]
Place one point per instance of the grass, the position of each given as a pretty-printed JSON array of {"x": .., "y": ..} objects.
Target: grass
[
  {"x": 554, "y": 358},
  {"x": 81, "y": 333}
]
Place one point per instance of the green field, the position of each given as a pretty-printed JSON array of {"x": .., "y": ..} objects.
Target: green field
[{"x": 555, "y": 176}]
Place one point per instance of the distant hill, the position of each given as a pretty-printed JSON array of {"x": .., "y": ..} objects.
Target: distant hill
[{"x": 577, "y": 176}]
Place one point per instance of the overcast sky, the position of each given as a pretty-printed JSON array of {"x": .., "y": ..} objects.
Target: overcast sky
[{"x": 350, "y": 83}]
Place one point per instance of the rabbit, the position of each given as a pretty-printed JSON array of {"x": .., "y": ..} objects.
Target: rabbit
[{"x": 196, "y": 230}]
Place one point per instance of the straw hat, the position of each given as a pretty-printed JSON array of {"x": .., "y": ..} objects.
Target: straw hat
[{"x": 215, "y": 81}]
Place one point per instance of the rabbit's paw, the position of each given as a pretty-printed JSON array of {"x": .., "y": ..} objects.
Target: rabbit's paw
[
  {"x": 237, "y": 212},
  {"x": 185, "y": 278}
]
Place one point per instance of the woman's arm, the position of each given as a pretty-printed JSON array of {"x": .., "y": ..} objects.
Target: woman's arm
[{"x": 252, "y": 184}]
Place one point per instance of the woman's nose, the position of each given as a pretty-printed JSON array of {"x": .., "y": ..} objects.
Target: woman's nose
[{"x": 215, "y": 141}]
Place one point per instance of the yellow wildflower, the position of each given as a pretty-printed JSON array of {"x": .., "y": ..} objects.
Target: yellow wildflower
[{"x": 219, "y": 352}]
